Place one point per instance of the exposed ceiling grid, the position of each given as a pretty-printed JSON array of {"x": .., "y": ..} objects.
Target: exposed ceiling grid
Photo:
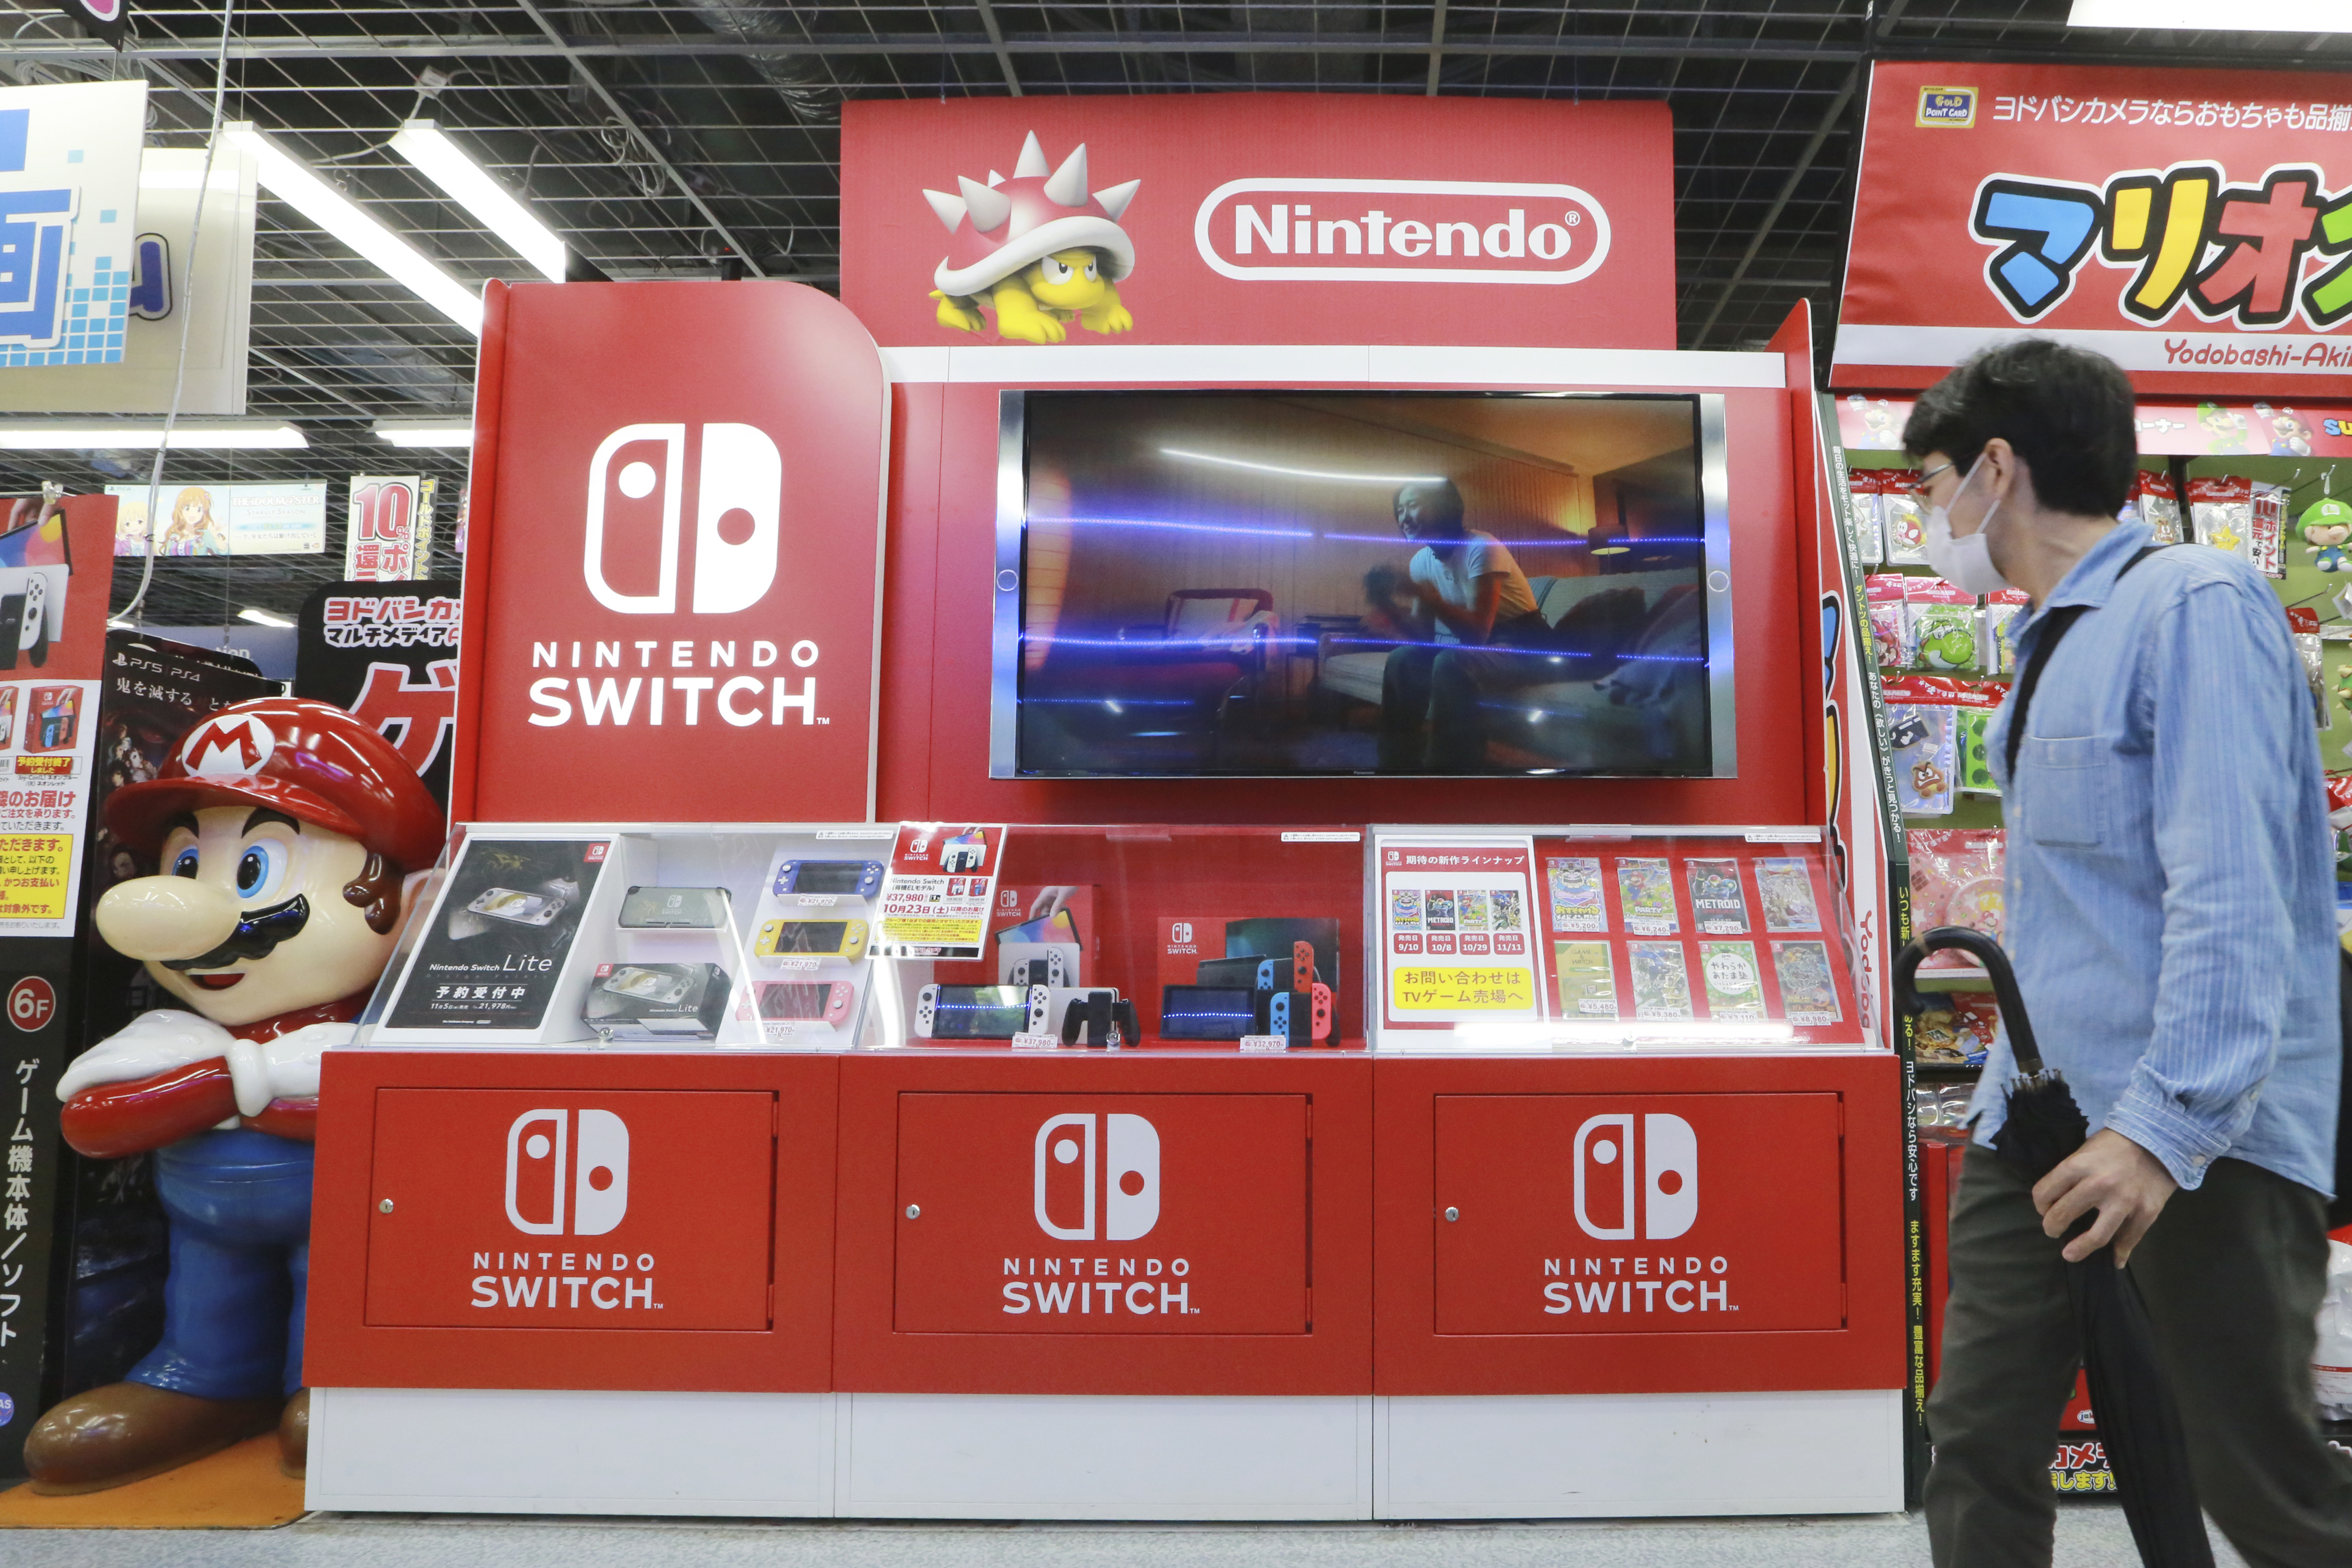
[{"x": 650, "y": 136}]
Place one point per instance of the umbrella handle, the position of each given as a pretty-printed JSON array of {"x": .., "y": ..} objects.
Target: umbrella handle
[{"x": 1987, "y": 952}]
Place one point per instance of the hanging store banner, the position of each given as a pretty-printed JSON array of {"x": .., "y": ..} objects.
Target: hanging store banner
[
  {"x": 390, "y": 539},
  {"x": 2195, "y": 227},
  {"x": 160, "y": 288},
  {"x": 1259, "y": 218},
  {"x": 68, "y": 218},
  {"x": 673, "y": 606}
]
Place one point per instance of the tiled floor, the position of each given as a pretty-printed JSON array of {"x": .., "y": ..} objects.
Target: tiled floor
[{"x": 2090, "y": 1535}]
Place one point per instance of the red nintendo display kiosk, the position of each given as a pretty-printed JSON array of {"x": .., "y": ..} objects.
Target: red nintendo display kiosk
[{"x": 1088, "y": 1145}]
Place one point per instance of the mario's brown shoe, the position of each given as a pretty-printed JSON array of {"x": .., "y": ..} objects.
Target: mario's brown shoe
[
  {"x": 294, "y": 1435},
  {"x": 127, "y": 1431}
]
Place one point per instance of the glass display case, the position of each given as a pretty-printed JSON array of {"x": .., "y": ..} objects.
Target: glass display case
[
  {"x": 1608, "y": 939},
  {"x": 887, "y": 936},
  {"x": 641, "y": 936}
]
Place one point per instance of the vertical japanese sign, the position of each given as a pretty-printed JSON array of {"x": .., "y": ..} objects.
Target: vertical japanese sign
[
  {"x": 391, "y": 660},
  {"x": 391, "y": 534},
  {"x": 68, "y": 220},
  {"x": 2195, "y": 227},
  {"x": 938, "y": 889},
  {"x": 1455, "y": 946},
  {"x": 33, "y": 1052}
]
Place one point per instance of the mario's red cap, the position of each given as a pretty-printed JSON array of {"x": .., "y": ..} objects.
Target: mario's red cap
[{"x": 315, "y": 763}]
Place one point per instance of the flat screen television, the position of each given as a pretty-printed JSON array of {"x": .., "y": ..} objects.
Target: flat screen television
[{"x": 1296, "y": 584}]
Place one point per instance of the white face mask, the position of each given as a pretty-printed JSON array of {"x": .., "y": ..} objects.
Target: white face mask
[{"x": 1965, "y": 564}]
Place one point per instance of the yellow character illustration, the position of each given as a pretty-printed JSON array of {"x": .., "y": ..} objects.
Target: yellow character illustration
[{"x": 1040, "y": 250}]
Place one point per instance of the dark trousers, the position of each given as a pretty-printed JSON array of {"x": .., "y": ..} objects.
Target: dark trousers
[
  {"x": 1431, "y": 718},
  {"x": 239, "y": 1205},
  {"x": 2232, "y": 1274}
]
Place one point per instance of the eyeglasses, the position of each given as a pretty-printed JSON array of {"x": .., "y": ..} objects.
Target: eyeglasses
[{"x": 1918, "y": 484}]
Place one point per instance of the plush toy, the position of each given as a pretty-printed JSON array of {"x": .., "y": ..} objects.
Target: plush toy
[
  {"x": 2326, "y": 526},
  {"x": 291, "y": 836}
]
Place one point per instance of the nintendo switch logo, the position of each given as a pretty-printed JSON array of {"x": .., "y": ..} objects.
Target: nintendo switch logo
[
  {"x": 738, "y": 500},
  {"x": 1067, "y": 1176},
  {"x": 1402, "y": 231},
  {"x": 1604, "y": 1158},
  {"x": 1180, "y": 931},
  {"x": 542, "y": 1146}
]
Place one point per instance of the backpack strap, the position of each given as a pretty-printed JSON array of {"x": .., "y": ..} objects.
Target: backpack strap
[{"x": 2054, "y": 631}]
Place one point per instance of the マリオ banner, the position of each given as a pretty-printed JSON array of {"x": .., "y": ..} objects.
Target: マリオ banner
[
  {"x": 1259, "y": 218},
  {"x": 674, "y": 582},
  {"x": 2195, "y": 227}
]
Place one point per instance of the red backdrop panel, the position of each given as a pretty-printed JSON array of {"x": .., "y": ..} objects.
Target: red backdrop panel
[
  {"x": 1611, "y": 165},
  {"x": 671, "y": 600},
  {"x": 942, "y": 563}
]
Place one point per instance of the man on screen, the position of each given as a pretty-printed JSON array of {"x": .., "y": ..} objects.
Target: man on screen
[{"x": 1474, "y": 628}]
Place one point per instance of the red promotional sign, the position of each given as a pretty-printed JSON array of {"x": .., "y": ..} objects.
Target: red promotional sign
[
  {"x": 672, "y": 601},
  {"x": 2195, "y": 227},
  {"x": 1573, "y": 1213},
  {"x": 532, "y": 1209},
  {"x": 1259, "y": 218},
  {"x": 1121, "y": 1213}
]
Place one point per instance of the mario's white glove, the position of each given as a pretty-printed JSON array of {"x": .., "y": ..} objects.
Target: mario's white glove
[
  {"x": 284, "y": 1068},
  {"x": 151, "y": 1043}
]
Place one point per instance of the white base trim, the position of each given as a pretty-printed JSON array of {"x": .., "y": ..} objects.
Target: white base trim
[
  {"x": 919, "y": 1456},
  {"x": 1318, "y": 364},
  {"x": 916, "y": 1455},
  {"x": 438, "y": 1450},
  {"x": 1640, "y": 1456}
]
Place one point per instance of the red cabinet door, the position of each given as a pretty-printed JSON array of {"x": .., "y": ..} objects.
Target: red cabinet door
[
  {"x": 1102, "y": 1214},
  {"x": 1623, "y": 1214},
  {"x": 571, "y": 1210}
]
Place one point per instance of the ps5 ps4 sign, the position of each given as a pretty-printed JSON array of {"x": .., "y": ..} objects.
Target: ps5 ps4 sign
[{"x": 68, "y": 220}]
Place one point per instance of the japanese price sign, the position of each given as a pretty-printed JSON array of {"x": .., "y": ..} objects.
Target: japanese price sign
[
  {"x": 937, "y": 893},
  {"x": 2195, "y": 227}
]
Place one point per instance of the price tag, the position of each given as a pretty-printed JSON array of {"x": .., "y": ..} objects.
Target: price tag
[
  {"x": 817, "y": 901},
  {"x": 1264, "y": 1043},
  {"x": 1037, "y": 1042}
]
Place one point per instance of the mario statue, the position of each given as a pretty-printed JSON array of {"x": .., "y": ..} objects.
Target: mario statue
[{"x": 291, "y": 837}]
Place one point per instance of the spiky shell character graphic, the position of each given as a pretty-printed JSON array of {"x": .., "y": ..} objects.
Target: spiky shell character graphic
[{"x": 1039, "y": 249}]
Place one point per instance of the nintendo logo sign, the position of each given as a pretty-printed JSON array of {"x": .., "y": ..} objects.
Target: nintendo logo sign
[{"x": 1402, "y": 231}]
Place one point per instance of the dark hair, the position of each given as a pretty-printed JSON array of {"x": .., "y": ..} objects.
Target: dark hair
[
  {"x": 1440, "y": 501},
  {"x": 2067, "y": 411}
]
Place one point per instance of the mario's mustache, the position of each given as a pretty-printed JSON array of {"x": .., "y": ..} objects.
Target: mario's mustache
[{"x": 256, "y": 936}]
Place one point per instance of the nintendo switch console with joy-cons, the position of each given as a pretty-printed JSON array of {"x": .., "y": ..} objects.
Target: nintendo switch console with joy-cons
[{"x": 973, "y": 1012}]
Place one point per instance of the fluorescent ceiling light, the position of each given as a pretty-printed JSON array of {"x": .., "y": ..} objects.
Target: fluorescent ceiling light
[
  {"x": 295, "y": 182},
  {"x": 1302, "y": 473},
  {"x": 187, "y": 435},
  {"x": 443, "y": 163},
  {"x": 425, "y": 432},
  {"x": 262, "y": 617},
  {"x": 2214, "y": 16}
]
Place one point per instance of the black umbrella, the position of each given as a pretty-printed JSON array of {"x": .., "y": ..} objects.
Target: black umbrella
[{"x": 2131, "y": 1398}]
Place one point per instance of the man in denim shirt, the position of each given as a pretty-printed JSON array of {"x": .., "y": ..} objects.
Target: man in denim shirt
[{"x": 2172, "y": 919}]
